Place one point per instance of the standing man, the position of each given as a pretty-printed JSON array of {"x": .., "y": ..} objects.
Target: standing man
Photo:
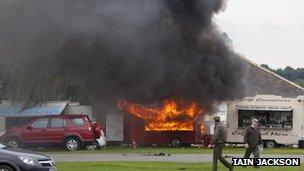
[
  {"x": 252, "y": 139},
  {"x": 219, "y": 138}
]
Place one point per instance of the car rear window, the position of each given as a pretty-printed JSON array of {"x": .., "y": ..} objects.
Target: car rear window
[
  {"x": 78, "y": 121},
  {"x": 58, "y": 123}
]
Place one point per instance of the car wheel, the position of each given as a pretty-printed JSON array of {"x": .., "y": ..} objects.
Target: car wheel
[
  {"x": 96, "y": 143},
  {"x": 175, "y": 142},
  {"x": 270, "y": 144},
  {"x": 13, "y": 142},
  {"x": 94, "y": 146},
  {"x": 6, "y": 168},
  {"x": 72, "y": 144}
]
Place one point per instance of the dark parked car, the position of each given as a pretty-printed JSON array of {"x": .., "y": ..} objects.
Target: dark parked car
[
  {"x": 71, "y": 131},
  {"x": 14, "y": 159}
]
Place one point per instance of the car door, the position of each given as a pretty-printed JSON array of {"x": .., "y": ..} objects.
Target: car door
[
  {"x": 36, "y": 131},
  {"x": 56, "y": 130},
  {"x": 80, "y": 127}
]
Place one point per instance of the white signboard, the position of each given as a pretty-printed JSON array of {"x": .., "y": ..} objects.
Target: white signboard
[
  {"x": 277, "y": 110},
  {"x": 114, "y": 127}
]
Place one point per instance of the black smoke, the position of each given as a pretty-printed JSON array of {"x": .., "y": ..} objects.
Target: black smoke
[{"x": 137, "y": 50}]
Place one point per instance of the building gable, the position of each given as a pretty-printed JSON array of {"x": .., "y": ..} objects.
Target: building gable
[{"x": 262, "y": 81}]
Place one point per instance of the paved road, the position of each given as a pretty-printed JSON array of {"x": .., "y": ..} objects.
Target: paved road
[{"x": 189, "y": 158}]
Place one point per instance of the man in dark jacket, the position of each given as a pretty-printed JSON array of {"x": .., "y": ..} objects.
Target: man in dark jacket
[
  {"x": 252, "y": 139},
  {"x": 219, "y": 138}
]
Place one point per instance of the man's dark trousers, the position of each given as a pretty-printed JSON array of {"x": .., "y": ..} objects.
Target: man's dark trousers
[
  {"x": 217, "y": 155},
  {"x": 255, "y": 150}
]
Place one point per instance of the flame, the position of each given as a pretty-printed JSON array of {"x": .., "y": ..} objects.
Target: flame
[
  {"x": 202, "y": 129},
  {"x": 172, "y": 115}
]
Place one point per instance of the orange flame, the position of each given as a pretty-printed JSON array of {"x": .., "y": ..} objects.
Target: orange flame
[
  {"x": 202, "y": 127},
  {"x": 171, "y": 116}
]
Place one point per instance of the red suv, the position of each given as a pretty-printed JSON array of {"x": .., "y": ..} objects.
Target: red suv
[{"x": 72, "y": 131}]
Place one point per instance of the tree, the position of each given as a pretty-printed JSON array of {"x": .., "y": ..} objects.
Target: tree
[
  {"x": 295, "y": 75},
  {"x": 266, "y": 67},
  {"x": 300, "y": 82},
  {"x": 35, "y": 86}
]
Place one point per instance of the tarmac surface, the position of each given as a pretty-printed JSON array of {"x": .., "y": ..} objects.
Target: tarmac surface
[{"x": 187, "y": 158}]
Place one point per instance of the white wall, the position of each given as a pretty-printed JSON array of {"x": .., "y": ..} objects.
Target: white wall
[
  {"x": 2, "y": 123},
  {"x": 78, "y": 109}
]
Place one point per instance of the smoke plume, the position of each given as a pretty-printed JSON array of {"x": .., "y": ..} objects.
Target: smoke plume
[{"x": 137, "y": 50}]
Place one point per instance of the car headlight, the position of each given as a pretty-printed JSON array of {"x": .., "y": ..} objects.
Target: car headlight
[
  {"x": 2, "y": 133},
  {"x": 53, "y": 160},
  {"x": 29, "y": 160}
]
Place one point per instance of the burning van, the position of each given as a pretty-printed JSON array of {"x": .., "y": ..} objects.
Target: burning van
[
  {"x": 174, "y": 123},
  {"x": 281, "y": 119}
]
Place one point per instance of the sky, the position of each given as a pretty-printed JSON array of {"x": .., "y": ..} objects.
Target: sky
[{"x": 266, "y": 31}]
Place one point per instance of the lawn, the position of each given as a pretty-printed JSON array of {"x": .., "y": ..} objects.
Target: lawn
[
  {"x": 158, "y": 166},
  {"x": 171, "y": 150}
]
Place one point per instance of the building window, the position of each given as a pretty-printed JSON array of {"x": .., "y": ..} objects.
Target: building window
[{"x": 268, "y": 119}]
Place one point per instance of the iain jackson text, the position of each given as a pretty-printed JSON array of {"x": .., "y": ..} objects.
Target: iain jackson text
[{"x": 266, "y": 162}]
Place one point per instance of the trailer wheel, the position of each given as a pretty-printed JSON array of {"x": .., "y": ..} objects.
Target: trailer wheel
[
  {"x": 14, "y": 142},
  {"x": 175, "y": 142},
  {"x": 270, "y": 144}
]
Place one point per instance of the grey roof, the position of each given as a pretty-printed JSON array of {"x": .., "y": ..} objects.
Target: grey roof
[
  {"x": 16, "y": 110},
  {"x": 262, "y": 81}
]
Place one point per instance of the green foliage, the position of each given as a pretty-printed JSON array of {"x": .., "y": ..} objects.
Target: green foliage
[
  {"x": 295, "y": 75},
  {"x": 300, "y": 82},
  {"x": 266, "y": 67},
  {"x": 35, "y": 86}
]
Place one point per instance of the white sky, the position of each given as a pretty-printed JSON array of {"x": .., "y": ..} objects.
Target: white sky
[{"x": 266, "y": 31}]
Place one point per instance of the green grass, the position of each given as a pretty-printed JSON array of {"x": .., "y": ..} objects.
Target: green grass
[
  {"x": 158, "y": 166},
  {"x": 171, "y": 150}
]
